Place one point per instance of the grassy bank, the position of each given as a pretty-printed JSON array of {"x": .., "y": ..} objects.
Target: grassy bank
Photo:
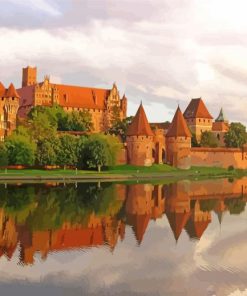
[{"x": 120, "y": 172}]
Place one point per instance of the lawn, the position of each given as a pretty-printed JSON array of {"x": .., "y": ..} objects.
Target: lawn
[{"x": 123, "y": 171}]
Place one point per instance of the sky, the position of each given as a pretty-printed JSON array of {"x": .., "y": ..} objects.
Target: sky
[{"x": 162, "y": 52}]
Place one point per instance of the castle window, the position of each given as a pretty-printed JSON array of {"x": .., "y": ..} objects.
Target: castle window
[
  {"x": 208, "y": 121},
  {"x": 13, "y": 99},
  {"x": 204, "y": 120},
  {"x": 218, "y": 136},
  {"x": 199, "y": 120}
]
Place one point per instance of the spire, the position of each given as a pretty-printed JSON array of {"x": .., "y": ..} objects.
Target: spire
[
  {"x": 177, "y": 222},
  {"x": 139, "y": 224},
  {"x": 221, "y": 116},
  {"x": 139, "y": 125},
  {"x": 178, "y": 127},
  {"x": 2, "y": 90},
  {"x": 11, "y": 92}
]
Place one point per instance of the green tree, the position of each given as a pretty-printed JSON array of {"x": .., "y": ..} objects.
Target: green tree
[
  {"x": 208, "y": 140},
  {"x": 194, "y": 142},
  {"x": 76, "y": 121},
  {"x": 119, "y": 128},
  {"x": 96, "y": 154},
  {"x": 235, "y": 205},
  {"x": 67, "y": 150},
  {"x": 21, "y": 151},
  {"x": 236, "y": 136},
  {"x": 3, "y": 154},
  {"x": 101, "y": 150},
  {"x": 47, "y": 151}
]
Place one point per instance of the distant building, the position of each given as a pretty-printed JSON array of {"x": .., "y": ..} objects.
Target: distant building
[
  {"x": 9, "y": 104},
  {"x": 220, "y": 128},
  {"x": 103, "y": 104},
  {"x": 198, "y": 118}
]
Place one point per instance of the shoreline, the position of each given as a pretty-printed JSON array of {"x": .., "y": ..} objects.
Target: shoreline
[{"x": 114, "y": 177}]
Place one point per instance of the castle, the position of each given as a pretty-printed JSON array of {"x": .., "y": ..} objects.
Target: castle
[
  {"x": 172, "y": 145},
  {"x": 103, "y": 104},
  {"x": 146, "y": 143}
]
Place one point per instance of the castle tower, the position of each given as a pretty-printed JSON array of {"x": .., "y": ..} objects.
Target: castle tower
[
  {"x": 220, "y": 128},
  {"x": 140, "y": 140},
  {"x": 9, "y": 104},
  {"x": 198, "y": 118},
  {"x": 178, "y": 142},
  {"x": 29, "y": 76}
]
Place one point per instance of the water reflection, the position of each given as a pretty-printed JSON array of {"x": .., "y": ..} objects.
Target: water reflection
[{"x": 53, "y": 217}]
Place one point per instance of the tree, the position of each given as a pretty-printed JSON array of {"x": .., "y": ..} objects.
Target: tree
[
  {"x": 236, "y": 136},
  {"x": 21, "y": 151},
  {"x": 208, "y": 140},
  {"x": 67, "y": 150},
  {"x": 47, "y": 151},
  {"x": 194, "y": 142},
  {"x": 235, "y": 205},
  {"x": 3, "y": 155},
  {"x": 96, "y": 154},
  {"x": 76, "y": 121},
  {"x": 120, "y": 127},
  {"x": 100, "y": 150}
]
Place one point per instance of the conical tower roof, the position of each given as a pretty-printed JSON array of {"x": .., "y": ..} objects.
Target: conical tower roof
[
  {"x": 11, "y": 92},
  {"x": 178, "y": 127},
  {"x": 2, "y": 89},
  {"x": 177, "y": 222},
  {"x": 139, "y": 125},
  {"x": 221, "y": 116},
  {"x": 195, "y": 229},
  {"x": 139, "y": 224}
]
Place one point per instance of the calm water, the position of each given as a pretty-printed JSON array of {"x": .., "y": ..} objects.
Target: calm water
[{"x": 186, "y": 238}]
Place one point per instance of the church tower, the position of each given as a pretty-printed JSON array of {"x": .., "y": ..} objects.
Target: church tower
[
  {"x": 29, "y": 76},
  {"x": 140, "y": 140},
  {"x": 178, "y": 142}
]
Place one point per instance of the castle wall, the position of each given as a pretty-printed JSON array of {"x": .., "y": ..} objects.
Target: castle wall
[
  {"x": 219, "y": 157},
  {"x": 140, "y": 150}
]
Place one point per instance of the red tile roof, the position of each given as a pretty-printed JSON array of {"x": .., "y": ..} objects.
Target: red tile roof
[
  {"x": 197, "y": 109},
  {"x": 195, "y": 229},
  {"x": 11, "y": 92},
  {"x": 139, "y": 125},
  {"x": 139, "y": 224},
  {"x": 177, "y": 222},
  {"x": 70, "y": 96},
  {"x": 2, "y": 90},
  {"x": 178, "y": 127}
]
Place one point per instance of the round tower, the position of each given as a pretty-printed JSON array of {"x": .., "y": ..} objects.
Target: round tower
[
  {"x": 140, "y": 140},
  {"x": 178, "y": 142}
]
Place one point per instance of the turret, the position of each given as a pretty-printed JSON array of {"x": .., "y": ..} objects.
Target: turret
[
  {"x": 29, "y": 76},
  {"x": 140, "y": 140},
  {"x": 9, "y": 104},
  {"x": 178, "y": 142}
]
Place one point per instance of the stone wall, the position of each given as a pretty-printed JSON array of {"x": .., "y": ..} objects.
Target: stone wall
[{"x": 219, "y": 157}]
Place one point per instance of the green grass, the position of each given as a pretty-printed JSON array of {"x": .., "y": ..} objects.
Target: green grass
[{"x": 125, "y": 171}]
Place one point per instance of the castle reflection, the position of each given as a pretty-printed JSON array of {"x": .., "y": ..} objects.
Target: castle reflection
[{"x": 53, "y": 217}]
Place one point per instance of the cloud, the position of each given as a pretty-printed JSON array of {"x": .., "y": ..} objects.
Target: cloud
[{"x": 158, "y": 51}]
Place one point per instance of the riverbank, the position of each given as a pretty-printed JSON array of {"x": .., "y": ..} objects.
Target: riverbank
[{"x": 122, "y": 173}]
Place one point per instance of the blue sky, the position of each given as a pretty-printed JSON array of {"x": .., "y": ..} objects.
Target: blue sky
[{"x": 161, "y": 52}]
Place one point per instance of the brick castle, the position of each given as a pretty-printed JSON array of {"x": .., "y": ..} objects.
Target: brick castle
[{"x": 146, "y": 143}]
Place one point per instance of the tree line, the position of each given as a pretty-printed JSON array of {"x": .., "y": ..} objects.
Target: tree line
[{"x": 37, "y": 141}]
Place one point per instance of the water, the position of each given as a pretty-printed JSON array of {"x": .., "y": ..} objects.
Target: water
[{"x": 185, "y": 238}]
